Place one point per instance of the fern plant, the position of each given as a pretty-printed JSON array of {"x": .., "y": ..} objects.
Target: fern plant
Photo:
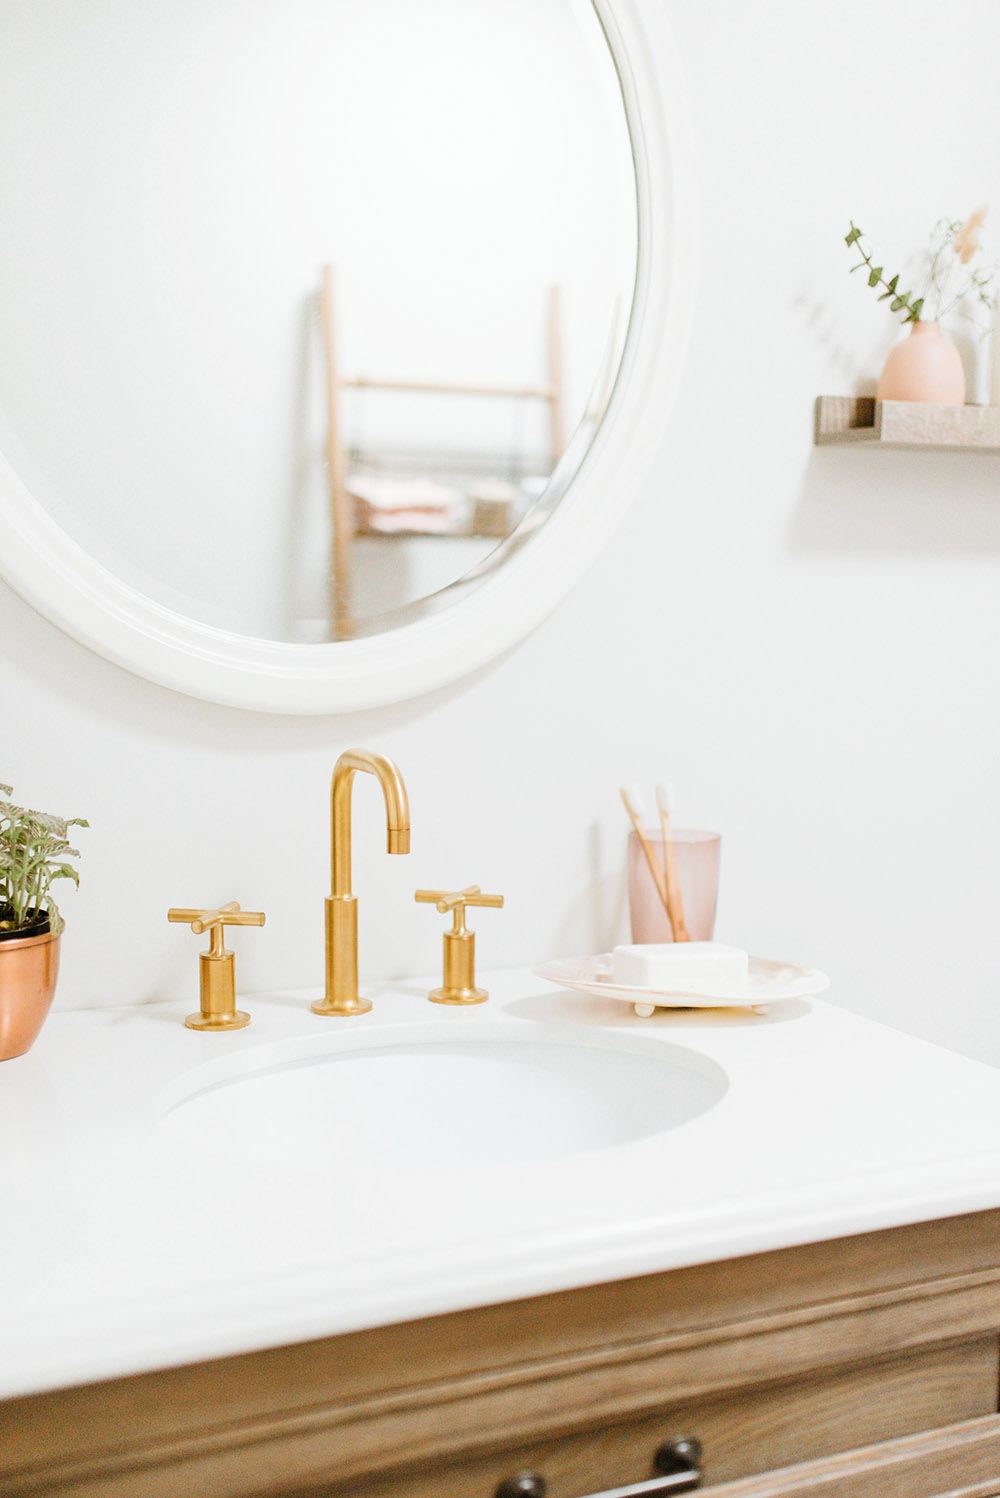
[{"x": 34, "y": 848}]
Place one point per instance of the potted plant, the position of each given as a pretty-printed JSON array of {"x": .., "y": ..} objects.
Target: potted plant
[
  {"x": 33, "y": 851},
  {"x": 928, "y": 366}
]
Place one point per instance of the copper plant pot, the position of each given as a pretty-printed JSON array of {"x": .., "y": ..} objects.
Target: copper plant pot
[{"x": 29, "y": 967}]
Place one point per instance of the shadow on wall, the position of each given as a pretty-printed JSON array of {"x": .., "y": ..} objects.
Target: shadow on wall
[
  {"x": 823, "y": 323},
  {"x": 894, "y": 503},
  {"x": 597, "y": 918}
]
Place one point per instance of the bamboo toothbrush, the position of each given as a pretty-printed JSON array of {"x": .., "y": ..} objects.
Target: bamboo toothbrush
[
  {"x": 675, "y": 900},
  {"x": 633, "y": 805}
]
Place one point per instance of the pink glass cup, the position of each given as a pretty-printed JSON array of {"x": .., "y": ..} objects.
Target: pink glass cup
[{"x": 697, "y": 855}]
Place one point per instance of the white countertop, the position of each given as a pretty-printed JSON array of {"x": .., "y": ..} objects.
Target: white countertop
[{"x": 126, "y": 1248}]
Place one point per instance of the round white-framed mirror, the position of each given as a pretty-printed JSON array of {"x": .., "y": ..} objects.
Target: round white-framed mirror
[{"x": 517, "y": 582}]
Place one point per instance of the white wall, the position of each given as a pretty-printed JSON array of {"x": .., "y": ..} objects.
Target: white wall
[{"x": 803, "y": 640}]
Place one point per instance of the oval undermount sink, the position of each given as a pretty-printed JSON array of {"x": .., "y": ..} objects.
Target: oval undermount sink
[{"x": 426, "y": 1097}]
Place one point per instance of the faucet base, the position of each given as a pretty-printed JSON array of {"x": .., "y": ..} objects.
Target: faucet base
[
  {"x": 237, "y": 1019},
  {"x": 458, "y": 995},
  {"x": 342, "y": 1007}
]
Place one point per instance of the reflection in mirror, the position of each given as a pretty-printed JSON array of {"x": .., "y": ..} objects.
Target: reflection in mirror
[{"x": 308, "y": 308}]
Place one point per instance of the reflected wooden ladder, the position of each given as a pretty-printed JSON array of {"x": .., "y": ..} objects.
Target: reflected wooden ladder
[{"x": 341, "y": 504}]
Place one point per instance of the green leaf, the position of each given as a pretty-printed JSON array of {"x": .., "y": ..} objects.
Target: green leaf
[
  {"x": 875, "y": 275},
  {"x": 853, "y": 237},
  {"x": 894, "y": 282},
  {"x": 916, "y": 308},
  {"x": 34, "y": 850},
  {"x": 897, "y": 302}
]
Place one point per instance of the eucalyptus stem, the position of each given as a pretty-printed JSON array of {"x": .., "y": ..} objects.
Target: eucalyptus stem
[
  {"x": 900, "y": 300},
  {"x": 953, "y": 245}
]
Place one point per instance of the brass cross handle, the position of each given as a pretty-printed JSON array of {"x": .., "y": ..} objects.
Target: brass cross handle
[
  {"x": 215, "y": 920},
  {"x": 456, "y": 901},
  {"x": 459, "y": 985},
  {"x": 218, "y": 966}
]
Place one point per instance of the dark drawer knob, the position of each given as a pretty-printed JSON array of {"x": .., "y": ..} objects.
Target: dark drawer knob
[{"x": 678, "y": 1464}]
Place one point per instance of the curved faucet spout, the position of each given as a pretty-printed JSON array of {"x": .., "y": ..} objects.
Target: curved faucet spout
[
  {"x": 397, "y": 811},
  {"x": 342, "y": 907}
]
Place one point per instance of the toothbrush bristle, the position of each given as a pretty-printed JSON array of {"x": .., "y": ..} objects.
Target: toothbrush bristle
[
  {"x": 665, "y": 798},
  {"x": 633, "y": 795}
]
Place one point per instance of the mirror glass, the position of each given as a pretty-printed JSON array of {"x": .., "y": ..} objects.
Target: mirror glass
[{"x": 309, "y": 309}]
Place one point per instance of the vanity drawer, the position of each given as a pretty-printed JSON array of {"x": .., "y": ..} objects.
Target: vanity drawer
[
  {"x": 437, "y": 1448},
  {"x": 761, "y": 1428}
]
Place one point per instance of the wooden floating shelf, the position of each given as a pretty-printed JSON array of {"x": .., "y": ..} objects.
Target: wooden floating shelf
[{"x": 844, "y": 419}]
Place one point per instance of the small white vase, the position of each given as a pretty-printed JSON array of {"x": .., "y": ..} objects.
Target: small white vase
[{"x": 924, "y": 367}]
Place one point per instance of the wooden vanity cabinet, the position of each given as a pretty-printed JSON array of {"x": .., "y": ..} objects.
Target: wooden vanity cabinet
[{"x": 863, "y": 1366}]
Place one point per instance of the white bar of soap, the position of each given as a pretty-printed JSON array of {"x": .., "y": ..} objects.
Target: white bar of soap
[{"x": 681, "y": 967}]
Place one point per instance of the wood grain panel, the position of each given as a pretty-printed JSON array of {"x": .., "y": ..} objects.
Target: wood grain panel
[{"x": 962, "y": 1461}]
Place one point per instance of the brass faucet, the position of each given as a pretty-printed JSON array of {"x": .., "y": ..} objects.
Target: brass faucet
[{"x": 342, "y": 907}]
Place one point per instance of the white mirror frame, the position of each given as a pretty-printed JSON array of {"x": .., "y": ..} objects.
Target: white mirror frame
[{"x": 55, "y": 574}]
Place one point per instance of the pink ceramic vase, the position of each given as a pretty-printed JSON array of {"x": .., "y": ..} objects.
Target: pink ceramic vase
[{"x": 924, "y": 367}]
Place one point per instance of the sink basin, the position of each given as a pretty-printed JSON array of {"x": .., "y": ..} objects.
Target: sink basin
[{"x": 434, "y": 1096}]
